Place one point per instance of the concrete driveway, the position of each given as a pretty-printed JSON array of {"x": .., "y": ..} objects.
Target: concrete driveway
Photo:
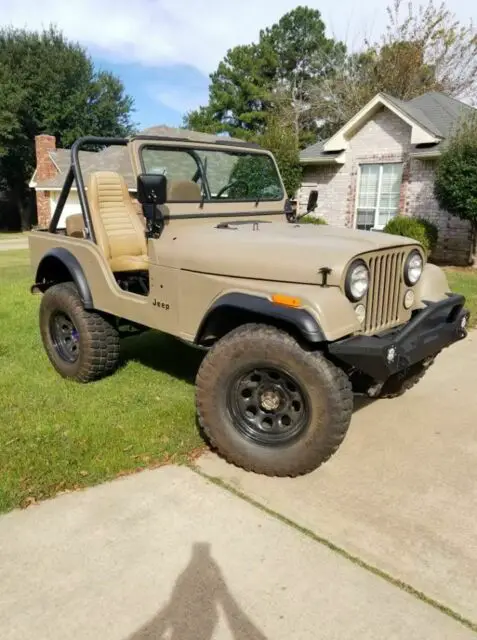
[
  {"x": 401, "y": 493},
  {"x": 166, "y": 554},
  {"x": 13, "y": 244}
]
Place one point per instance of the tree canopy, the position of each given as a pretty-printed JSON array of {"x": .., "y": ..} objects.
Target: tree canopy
[
  {"x": 455, "y": 184},
  {"x": 49, "y": 85},
  {"x": 281, "y": 68},
  {"x": 296, "y": 70},
  {"x": 424, "y": 48}
]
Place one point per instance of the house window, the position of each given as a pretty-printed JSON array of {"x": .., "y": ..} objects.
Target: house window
[{"x": 378, "y": 194}]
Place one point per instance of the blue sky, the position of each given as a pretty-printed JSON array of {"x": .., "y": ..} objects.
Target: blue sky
[
  {"x": 161, "y": 94},
  {"x": 164, "y": 50}
]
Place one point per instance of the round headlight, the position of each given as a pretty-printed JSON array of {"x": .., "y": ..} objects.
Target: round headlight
[
  {"x": 357, "y": 280},
  {"x": 413, "y": 268}
]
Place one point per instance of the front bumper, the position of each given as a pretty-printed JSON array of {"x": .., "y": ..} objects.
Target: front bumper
[{"x": 429, "y": 331}]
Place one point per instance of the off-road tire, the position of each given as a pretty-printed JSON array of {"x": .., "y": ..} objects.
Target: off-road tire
[
  {"x": 398, "y": 384},
  {"x": 329, "y": 393},
  {"x": 98, "y": 340}
]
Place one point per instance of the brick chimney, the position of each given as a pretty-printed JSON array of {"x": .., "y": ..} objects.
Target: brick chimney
[{"x": 45, "y": 170}]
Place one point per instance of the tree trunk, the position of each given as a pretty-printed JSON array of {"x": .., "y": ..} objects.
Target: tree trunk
[
  {"x": 473, "y": 257},
  {"x": 25, "y": 216},
  {"x": 23, "y": 204}
]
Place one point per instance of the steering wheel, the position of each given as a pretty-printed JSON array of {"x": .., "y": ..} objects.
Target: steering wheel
[{"x": 230, "y": 185}]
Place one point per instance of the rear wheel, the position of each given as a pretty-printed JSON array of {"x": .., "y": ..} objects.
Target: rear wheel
[
  {"x": 80, "y": 344},
  {"x": 268, "y": 405}
]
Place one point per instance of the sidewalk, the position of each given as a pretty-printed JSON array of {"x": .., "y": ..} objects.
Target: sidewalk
[
  {"x": 166, "y": 550},
  {"x": 14, "y": 244}
]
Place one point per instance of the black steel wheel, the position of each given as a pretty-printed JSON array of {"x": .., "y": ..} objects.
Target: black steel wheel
[
  {"x": 268, "y": 406},
  {"x": 81, "y": 345},
  {"x": 64, "y": 336}
]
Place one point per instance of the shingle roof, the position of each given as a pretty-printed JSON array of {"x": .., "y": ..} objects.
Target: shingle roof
[
  {"x": 433, "y": 111},
  {"x": 416, "y": 113},
  {"x": 445, "y": 112},
  {"x": 187, "y": 134},
  {"x": 315, "y": 151}
]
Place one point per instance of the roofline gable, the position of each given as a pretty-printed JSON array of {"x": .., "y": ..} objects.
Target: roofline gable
[
  {"x": 340, "y": 140},
  {"x": 334, "y": 158},
  {"x": 51, "y": 154}
]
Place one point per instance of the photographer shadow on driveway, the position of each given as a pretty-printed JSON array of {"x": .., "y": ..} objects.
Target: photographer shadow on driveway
[{"x": 192, "y": 612}]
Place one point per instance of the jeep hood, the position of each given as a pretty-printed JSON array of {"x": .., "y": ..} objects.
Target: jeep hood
[{"x": 276, "y": 251}]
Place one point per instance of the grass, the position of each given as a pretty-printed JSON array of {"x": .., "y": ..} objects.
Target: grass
[
  {"x": 465, "y": 281},
  {"x": 57, "y": 435},
  {"x": 12, "y": 235}
]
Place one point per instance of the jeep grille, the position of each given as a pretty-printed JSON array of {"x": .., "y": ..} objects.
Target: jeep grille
[{"x": 384, "y": 299}]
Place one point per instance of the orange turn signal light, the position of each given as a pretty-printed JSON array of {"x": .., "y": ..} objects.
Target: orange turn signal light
[{"x": 286, "y": 301}]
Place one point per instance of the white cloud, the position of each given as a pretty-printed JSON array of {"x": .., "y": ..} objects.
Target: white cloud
[
  {"x": 161, "y": 32},
  {"x": 191, "y": 32},
  {"x": 181, "y": 99}
]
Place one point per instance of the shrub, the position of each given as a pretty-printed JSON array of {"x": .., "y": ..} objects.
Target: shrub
[
  {"x": 432, "y": 233},
  {"x": 455, "y": 185},
  {"x": 312, "y": 220},
  {"x": 418, "y": 229}
]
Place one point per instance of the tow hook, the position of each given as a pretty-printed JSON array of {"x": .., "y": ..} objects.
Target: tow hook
[{"x": 375, "y": 389}]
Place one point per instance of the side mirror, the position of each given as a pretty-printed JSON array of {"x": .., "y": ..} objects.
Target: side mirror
[
  {"x": 312, "y": 201},
  {"x": 151, "y": 188},
  {"x": 290, "y": 210},
  {"x": 151, "y": 192}
]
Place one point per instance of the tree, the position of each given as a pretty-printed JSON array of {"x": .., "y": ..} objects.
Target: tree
[
  {"x": 49, "y": 85},
  {"x": 423, "y": 49},
  {"x": 239, "y": 93},
  {"x": 455, "y": 185},
  {"x": 281, "y": 140},
  {"x": 248, "y": 83},
  {"x": 305, "y": 57},
  {"x": 447, "y": 48}
]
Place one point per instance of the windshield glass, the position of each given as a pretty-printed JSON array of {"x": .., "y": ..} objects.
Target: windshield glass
[{"x": 220, "y": 174}]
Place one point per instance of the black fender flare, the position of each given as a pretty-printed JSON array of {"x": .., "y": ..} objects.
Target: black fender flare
[
  {"x": 301, "y": 319},
  {"x": 74, "y": 268}
]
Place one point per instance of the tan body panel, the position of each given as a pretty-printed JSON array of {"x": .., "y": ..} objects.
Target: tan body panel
[
  {"x": 180, "y": 299},
  {"x": 194, "y": 262},
  {"x": 433, "y": 285},
  {"x": 270, "y": 250},
  {"x": 198, "y": 292},
  {"x": 183, "y": 298},
  {"x": 159, "y": 310}
]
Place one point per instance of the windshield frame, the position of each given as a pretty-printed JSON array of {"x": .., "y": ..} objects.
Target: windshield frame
[{"x": 193, "y": 148}]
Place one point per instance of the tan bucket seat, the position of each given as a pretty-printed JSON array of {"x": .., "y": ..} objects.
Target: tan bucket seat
[{"x": 119, "y": 232}]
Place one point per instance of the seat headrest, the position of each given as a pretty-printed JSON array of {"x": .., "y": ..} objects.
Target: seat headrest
[
  {"x": 75, "y": 225},
  {"x": 183, "y": 191},
  {"x": 108, "y": 184}
]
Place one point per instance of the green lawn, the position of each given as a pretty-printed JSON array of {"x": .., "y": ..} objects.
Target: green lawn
[
  {"x": 57, "y": 435},
  {"x": 465, "y": 281},
  {"x": 12, "y": 235}
]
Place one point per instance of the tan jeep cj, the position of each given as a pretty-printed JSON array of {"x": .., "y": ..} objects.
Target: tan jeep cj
[{"x": 292, "y": 318}]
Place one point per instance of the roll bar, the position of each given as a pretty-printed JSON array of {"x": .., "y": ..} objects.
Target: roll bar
[{"x": 75, "y": 175}]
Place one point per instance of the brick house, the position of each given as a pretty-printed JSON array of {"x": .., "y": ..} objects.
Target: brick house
[
  {"x": 52, "y": 165},
  {"x": 382, "y": 162}
]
